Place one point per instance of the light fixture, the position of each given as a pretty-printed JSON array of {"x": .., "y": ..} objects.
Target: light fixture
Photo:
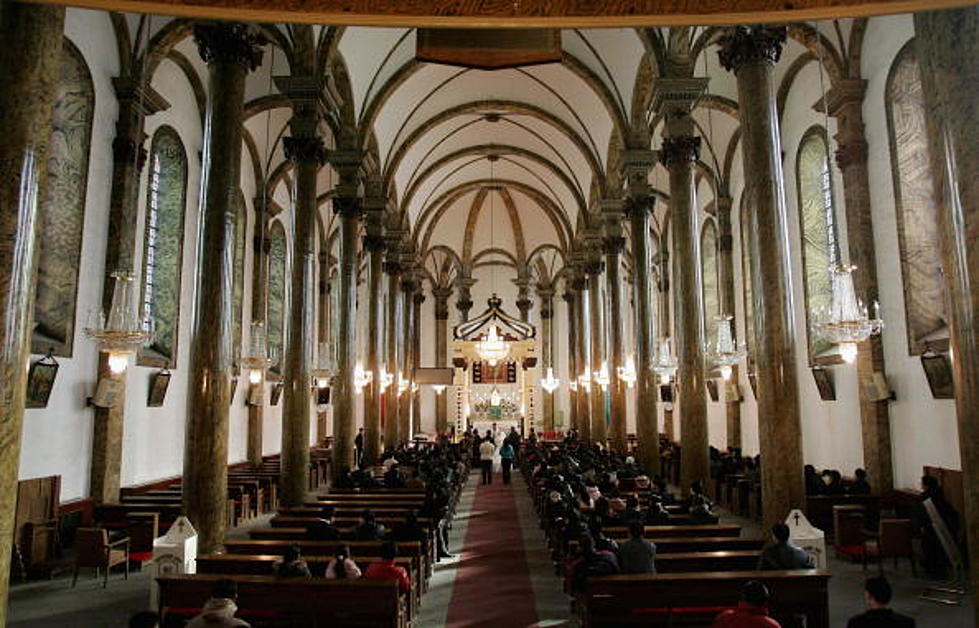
[
  {"x": 665, "y": 365},
  {"x": 257, "y": 360},
  {"x": 493, "y": 348},
  {"x": 494, "y": 397},
  {"x": 123, "y": 333},
  {"x": 573, "y": 385},
  {"x": 403, "y": 383},
  {"x": 550, "y": 383},
  {"x": 361, "y": 377},
  {"x": 627, "y": 373},
  {"x": 386, "y": 379},
  {"x": 584, "y": 381},
  {"x": 438, "y": 388},
  {"x": 724, "y": 354},
  {"x": 846, "y": 322},
  {"x": 602, "y": 377}
]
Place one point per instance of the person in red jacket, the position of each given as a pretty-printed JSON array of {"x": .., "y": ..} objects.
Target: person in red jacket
[
  {"x": 752, "y": 610},
  {"x": 387, "y": 570}
]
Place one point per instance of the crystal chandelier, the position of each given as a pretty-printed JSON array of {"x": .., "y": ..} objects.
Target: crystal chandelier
[
  {"x": 123, "y": 333},
  {"x": 627, "y": 373},
  {"x": 257, "y": 360},
  {"x": 602, "y": 377},
  {"x": 493, "y": 348},
  {"x": 361, "y": 377},
  {"x": 724, "y": 354},
  {"x": 846, "y": 322},
  {"x": 665, "y": 365},
  {"x": 550, "y": 383},
  {"x": 324, "y": 370}
]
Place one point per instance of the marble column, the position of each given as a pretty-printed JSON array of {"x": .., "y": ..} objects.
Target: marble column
[
  {"x": 679, "y": 151},
  {"x": 546, "y": 296},
  {"x": 751, "y": 53},
  {"x": 725, "y": 247},
  {"x": 348, "y": 206},
  {"x": 230, "y": 51},
  {"x": 307, "y": 153},
  {"x": 844, "y": 101},
  {"x": 416, "y": 350},
  {"x": 392, "y": 267},
  {"x": 638, "y": 208},
  {"x": 373, "y": 401},
  {"x": 441, "y": 355},
  {"x": 582, "y": 345},
  {"x": 573, "y": 367},
  {"x": 596, "y": 323},
  {"x": 613, "y": 245},
  {"x": 30, "y": 61},
  {"x": 948, "y": 50},
  {"x": 260, "y": 294},
  {"x": 405, "y": 431}
]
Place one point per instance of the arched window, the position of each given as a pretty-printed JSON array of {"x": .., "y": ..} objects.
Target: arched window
[
  {"x": 711, "y": 282},
  {"x": 238, "y": 274},
  {"x": 277, "y": 292},
  {"x": 749, "y": 305},
  {"x": 163, "y": 241},
  {"x": 63, "y": 207},
  {"x": 916, "y": 204},
  {"x": 817, "y": 219}
]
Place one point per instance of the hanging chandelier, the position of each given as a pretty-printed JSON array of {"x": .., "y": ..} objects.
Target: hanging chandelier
[
  {"x": 123, "y": 334},
  {"x": 846, "y": 322},
  {"x": 362, "y": 378},
  {"x": 493, "y": 348},
  {"x": 601, "y": 376},
  {"x": 550, "y": 383},
  {"x": 665, "y": 365},
  {"x": 257, "y": 360},
  {"x": 724, "y": 354},
  {"x": 627, "y": 373}
]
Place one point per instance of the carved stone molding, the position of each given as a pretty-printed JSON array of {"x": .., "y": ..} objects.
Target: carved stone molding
[
  {"x": 742, "y": 45},
  {"x": 223, "y": 42},
  {"x": 679, "y": 150},
  {"x": 309, "y": 150}
]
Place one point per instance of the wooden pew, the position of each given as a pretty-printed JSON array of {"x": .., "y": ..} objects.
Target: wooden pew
[
  {"x": 695, "y": 598},
  {"x": 312, "y": 602},
  {"x": 347, "y": 511}
]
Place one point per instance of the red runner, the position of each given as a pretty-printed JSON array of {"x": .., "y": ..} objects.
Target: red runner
[{"x": 492, "y": 586}]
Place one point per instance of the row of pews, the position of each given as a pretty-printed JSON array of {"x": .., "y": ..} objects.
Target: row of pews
[
  {"x": 267, "y": 600},
  {"x": 700, "y": 572}
]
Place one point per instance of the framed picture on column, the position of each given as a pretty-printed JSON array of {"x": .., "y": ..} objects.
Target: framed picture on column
[
  {"x": 824, "y": 383},
  {"x": 276, "y": 394},
  {"x": 712, "y": 389},
  {"x": 40, "y": 382},
  {"x": 939, "y": 374},
  {"x": 159, "y": 383}
]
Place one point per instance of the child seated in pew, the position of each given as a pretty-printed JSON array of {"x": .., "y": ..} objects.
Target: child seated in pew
[
  {"x": 292, "y": 565},
  {"x": 342, "y": 566},
  {"x": 219, "y": 611}
]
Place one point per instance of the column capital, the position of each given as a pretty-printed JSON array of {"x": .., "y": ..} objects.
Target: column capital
[
  {"x": 677, "y": 95},
  {"x": 639, "y": 204},
  {"x": 679, "y": 150},
  {"x": 229, "y": 42},
  {"x": 305, "y": 149},
  {"x": 743, "y": 45},
  {"x": 419, "y": 297},
  {"x": 348, "y": 206},
  {"x": 374, "y": 243},
  {"x": 568, "y": 297},
  {"x": 391, "y": 267},
  {"x": 613, "y": 245}
]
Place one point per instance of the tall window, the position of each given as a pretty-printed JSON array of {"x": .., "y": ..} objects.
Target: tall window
[
  {"x": 238, "y": 274},
  {"x": 820, "y": 249},
  {"x": 277, "y": 291},
  {"x": 63, "y": 207},
  {"x": 711, "y": 282},
  {"x": 916, "y": 204},
  {"x": 163, "y": 245}
]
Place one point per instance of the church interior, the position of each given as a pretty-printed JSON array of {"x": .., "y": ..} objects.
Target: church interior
[{"x": 267, "y": 270}]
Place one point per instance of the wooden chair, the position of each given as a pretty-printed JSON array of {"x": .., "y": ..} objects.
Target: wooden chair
[
  {"x": 93, "y": 549},
  {"x": 893, "y": 538}
]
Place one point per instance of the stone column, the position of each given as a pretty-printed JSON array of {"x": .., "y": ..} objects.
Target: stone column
[
  {"x": 373, "y": 402},
  {"x": 546, "y": 295},
  {"x": 30, "y": 61},
  {"x": 725, "y": 249},
  {"x": 465, "y": 301},
  {"x": 638, "y": 208},
  {"x": 844, "y": 101},
  {"x": 307, "y": 152},
  {"x": 613, "y": 245},
  {"x": 751, "y": 52},
  {"x": 524, "y": 302},
  {"x": 404, "y": 365},
  {"x": 678, "y": 154},
  {"x": 230, "y": 50},
  {"x": 948, "y": 50},
  {"x": 582, "y": 348},
  {"x": 416, "y": 350},
  {"x": 260, "y": 301},
  {"x": 596, "y": 322},
  {"x": 348, "y": 206},
  {"x": 573, "y": 367},
  {"x": 441, "y": 355},
  {"x": 393, "y": 328}
]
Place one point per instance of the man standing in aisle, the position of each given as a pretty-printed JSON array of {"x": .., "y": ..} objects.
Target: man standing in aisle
[{"x": 487, "y": 451}]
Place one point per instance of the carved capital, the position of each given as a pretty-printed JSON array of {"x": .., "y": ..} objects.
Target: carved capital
[
  {"x": 613, "y": 245},
  {"x": 524, "y": 305},
  {"x": 464, "y": 304},
  {"x": 304, "y": 149},
  {"x": 374, "y": 243},
  {"x": 851, "y": 153},
  {"x": 679, "y": 150},
  {"x": 229, "y": 42},
  {"x": 568, "y": 297},
  {"x": 128, "y": 151},
  {"x": 639, "y": 204},
  {"x": 348, "y": 206},
  {"x": 391, "y": 267},
  {"x": 594, "y": 267},
  {"x": 743, "y": 45},
  {"x": 419, "y": 297}
]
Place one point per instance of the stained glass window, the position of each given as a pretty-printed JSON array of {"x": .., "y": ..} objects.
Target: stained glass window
[
  {"x": 277, "y": 291},
  {"x": 711, "y": 283}
]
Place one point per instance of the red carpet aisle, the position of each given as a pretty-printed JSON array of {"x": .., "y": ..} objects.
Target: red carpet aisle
[{"x": 493, "y": 586}]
